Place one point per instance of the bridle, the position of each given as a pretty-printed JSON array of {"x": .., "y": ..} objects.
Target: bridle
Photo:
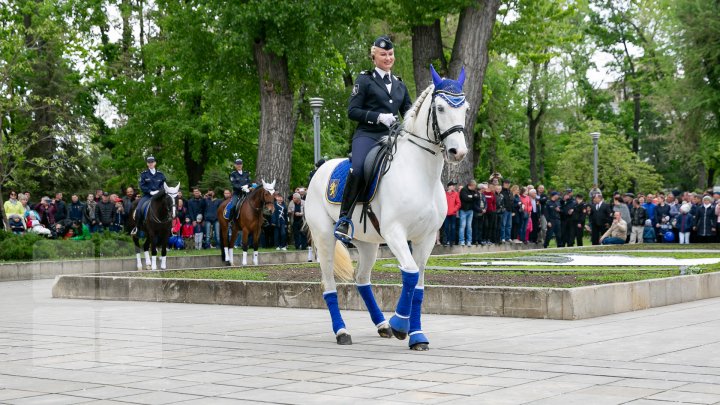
[
  {"x": 455, "y": 100},
  {"x": 170, "y": 211}
]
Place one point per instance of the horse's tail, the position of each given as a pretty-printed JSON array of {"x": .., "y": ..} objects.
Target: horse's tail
[{"x": 342, "y": 264}]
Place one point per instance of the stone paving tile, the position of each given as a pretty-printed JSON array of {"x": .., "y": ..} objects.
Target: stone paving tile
[
  {"x": 645, "y": 383},
  {"x": 684, "y": 396},
  {"x": 160, "y": 384},
  {"x": 256, "y": 382},
  {"x": 209, "y": 390},
  {"x": 699, "y": 387},
  {"x": 460, "y": 389},
  {"x": 309, "y": 387},
  {"x": 421, "y": 397},
  {"x": 598, "y": 395},
  {"x": 106, "y": 392},
  {"x": 287, "y": 397},
  {"x": 51, "y": 399},
  {"x": 349, "y": 379},
  {"x": 205, "y": 377},
  {"x": 301, "y": 375},
  {"x": 440, "y": 377},
  {"x": 363, "y": 392},
  {"x": 218, "y": 401},
  {"x": 403, "y": 384},
  {"x": 527, "y": 374},
  {"x": 526, "y": 393},
  {"x": 159, "y": 397},
  {"x": 6, "y": 394},
  {"x": 494, "y": 381}
]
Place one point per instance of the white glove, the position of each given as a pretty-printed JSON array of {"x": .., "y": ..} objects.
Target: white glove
[
  {"x": 386, "y": 119},
  {"x": 154, "y": 192},
  {"x": 245, "y": 188}
]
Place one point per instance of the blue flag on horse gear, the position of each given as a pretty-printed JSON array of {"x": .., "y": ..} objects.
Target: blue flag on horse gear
[{"x": 338, "y": 178}]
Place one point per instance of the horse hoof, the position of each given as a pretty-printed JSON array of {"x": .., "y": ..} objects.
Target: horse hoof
[
  {"x": 385, "y": 332},
  {"x": 228, "y": 264},
  {"x": 420, "y": 347},
  {"x": 399, "y": 327},
  {"x": 148, "y": 267},
  {"x": 343, "y": 339}
]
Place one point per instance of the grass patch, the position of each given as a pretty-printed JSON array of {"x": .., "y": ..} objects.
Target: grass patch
[{"x": 209, "y": 274}]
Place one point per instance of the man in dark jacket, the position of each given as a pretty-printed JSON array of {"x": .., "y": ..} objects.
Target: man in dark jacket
[
  {"x": 662, "y": 210},
  {"x": 507, "y": 212},
  {"x": 638, "y": 215},
  {"x": 705, "y": 221},
  {"x": 577, "y": 222},
  {"x": 468, "y": 195},
  {"x": 196, "y": 205},
  {"x": 212, "y": 226},
  {"x": 601, "y": 216},
  {"x": 61, "y": 211},
  {"x": 105, "y": 212},
  {"x": 76, "y": 208},
  {"x": 128, "y": 200},
  {"x": 552, "y": 215},
  {"x": 567, "y": 209}
]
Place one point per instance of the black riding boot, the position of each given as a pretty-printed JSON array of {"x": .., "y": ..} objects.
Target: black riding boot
[{"x": 352, "y": 191}]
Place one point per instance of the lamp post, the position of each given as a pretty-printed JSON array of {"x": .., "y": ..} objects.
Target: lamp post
[
  {"x": 595, "y": 138},
  {"x": 316, "y": 104}
]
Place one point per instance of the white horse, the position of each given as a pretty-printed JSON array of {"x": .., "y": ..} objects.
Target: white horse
[{"x": 410, "y": 205}]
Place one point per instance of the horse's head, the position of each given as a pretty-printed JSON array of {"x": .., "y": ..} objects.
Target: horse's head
[
  {"x": 448, "y": 109},
  {"x": 268, "y": 193},
  {"x": 172, "y": 192}
]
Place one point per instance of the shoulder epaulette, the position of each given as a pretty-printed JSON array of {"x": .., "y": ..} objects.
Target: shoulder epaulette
[
  {"x": 366, "y": 72},
  {"x": 398, "y": 78}
]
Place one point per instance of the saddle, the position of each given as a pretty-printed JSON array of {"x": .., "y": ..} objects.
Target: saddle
[{"x": 376, "y": 164}]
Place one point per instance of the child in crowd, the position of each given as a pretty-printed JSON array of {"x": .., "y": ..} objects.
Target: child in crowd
[
  {"x": 665, "y": 226},
  {"x": 684, "y": 223},
  {"x": 187, "y": 231},
  {"x": 16, "y": 225},
  {"x": 198, "y": 229},
  {"x": 34, "y": 225},
  {"x": 649, "y": 232}
]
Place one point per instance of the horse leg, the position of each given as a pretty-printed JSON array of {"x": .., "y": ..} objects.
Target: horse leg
[
  {"x": 146, "y": 246},
  {"x": 367, "y": 256},
  {"x": 326, "y": 250},
  {"x": 421, "y": 253},
  {"x": 245, "y": 235},
  {"x": 231, "y": 243},
  {"x": 223, "y": 237},
  {"x": 153, "y": 253},
  {"x": 255, "y": 241},
  {"x": 397, "y": 242},
  {"x": 163, "y": 257},
  {"x": 136, "y": 242}
]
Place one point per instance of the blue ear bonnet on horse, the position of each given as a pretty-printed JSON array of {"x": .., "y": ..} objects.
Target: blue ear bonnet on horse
[{"x": 449, "y": 90}]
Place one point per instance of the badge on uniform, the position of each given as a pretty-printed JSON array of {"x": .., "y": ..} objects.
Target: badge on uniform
[{"x": 355, "y": 90}]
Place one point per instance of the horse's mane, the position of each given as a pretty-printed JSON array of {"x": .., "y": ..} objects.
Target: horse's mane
[{"x": 411, "y": 114}]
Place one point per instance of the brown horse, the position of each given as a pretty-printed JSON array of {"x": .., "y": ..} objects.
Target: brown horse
[{"x": 249, "y": 219}]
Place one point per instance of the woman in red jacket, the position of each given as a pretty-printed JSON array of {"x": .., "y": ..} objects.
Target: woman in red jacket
[{"x": 453, "y": 203}]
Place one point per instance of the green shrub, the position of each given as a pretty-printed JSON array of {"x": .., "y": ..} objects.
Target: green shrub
[{"x": 18, "y": 247}]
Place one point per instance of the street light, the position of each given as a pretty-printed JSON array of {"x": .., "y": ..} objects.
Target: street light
[
  {"x": 595, "y": 138},
  {"x": 316, "y": 104}
]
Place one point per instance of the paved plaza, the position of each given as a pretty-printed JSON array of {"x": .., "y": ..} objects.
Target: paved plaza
[{"x": 70, "y": 351}]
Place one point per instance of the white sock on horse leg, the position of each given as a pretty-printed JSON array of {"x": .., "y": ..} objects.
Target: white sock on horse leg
[
  {"x": 147, "y": 258},
  {"x": 139, "y": 260},
  {"x": 310, "y": 254},
  {"x": 227, "y": 254},
  {"x": 154, "y": 262},
  {"x": 244, "y": 262},
  {"x": 230, "y": 254},
  {"x": 163, "y": 262}
]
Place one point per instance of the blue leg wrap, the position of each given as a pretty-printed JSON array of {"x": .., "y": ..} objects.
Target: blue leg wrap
[
  {"x": 401, "y": 320},
  {"x": 367, "y": 295},
  {"x": 331, "y": 300},
  {"x": 416, "y": 334}
]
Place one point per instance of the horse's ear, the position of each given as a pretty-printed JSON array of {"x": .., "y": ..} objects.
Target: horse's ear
[
  {"x": 272, "y": 185},
  {"x": 435, "y": 76},
  {"x": 262, "y": 181},
  {"x": 461, "y": 78}
]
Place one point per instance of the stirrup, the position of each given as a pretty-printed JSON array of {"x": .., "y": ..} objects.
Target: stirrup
[
  {"x": 133, "y": 231},
  {"x": 341, "y": 236}
]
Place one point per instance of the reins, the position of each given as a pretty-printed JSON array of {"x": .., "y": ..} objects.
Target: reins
[{"x": 437, "y": 134}]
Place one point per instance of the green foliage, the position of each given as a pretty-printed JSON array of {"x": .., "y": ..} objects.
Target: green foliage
[{"x": 34, "y": 247}]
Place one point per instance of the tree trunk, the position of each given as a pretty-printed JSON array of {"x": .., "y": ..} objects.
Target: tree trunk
[
  {"x": 711, "y": 177},
  {"x": 277, "y": 126},
  {"x": 636, "y": 122},
  {"x": 470, "y": 51},
  {"x": 702, "y": 176},
  {"x": 427, "y": 48},
  {"x": 194, "y": 166}
]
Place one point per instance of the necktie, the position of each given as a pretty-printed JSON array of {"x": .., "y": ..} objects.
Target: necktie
[{"x": 386, "y": 79}]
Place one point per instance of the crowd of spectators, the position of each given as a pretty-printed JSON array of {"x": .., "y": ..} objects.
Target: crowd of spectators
[
  {"x": 196, "y": 222},
  {"x": 497, "y": 211}
]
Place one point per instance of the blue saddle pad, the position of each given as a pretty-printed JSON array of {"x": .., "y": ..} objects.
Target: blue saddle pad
[{"x": 338, "y": 178}]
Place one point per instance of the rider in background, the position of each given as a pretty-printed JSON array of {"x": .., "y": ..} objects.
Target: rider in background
[
  {"x": 378, "y": 99},
  {"x": 151, "y": 181},
  {"x": 241, "y": 186}
]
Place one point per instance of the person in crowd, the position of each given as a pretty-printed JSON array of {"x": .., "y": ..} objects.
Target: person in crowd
[
  {"x": 46, "y": 212},
  {"x": 617, "y": 233},
  {"x": 567, "y": 209},
  {"x": 181, "y": 211},
  {"x": 240, "y": 181},
  {"x": 105, "y": 212},
  {"x": 479, "y": 209},
  {"x": 508, "y": 209},
  {"x": 13, "y": 206},
  {"x": 524, "y": 214},
  {"x": 650, "y": 204},
  {"x": 674, "y": 206},
  {"x": 90, "y": 214},
  {"x": 198, "y": 227},
  {"x": 279, "y": 221},
  {"x": 500, "y": 206},
  {"x": 662, "y": 210},
  {"x": 151, "y": 182},
  {"x": 378, "y": 99},
  {"x": 515, "y": 207},
  {"x": 76, "y": 209},
  {"x": 187, "y": 232},
  {"x": 705, "y": 221},
  {"x": 542, "y": 200},
  {"x": 649, "y": 235},
  {"x": 128, "y": 199},
  {"x": 212, "y": 226},
  {"x": 664, "y": 229},
  {"x": 453, "y": 203},
  {"x": 552, "y": 216},
  {"x": 620, "y": 206},
  {"x": 638, "y": 215},
  {"x": 34, "y": 225},
  {"x": 29, "y": 201},
  {"x": 81, "y": 231},
  {"x": 319, "y": 163},
  {"x": 716, "y": 203},
  {"x": 296, "y": 211},
  {"x": 180, "y": 197},
  {"x": 601, "y": 215},
  {"x": 17, "y": 224},
  {"x": 196, "y": 204},
  {"x": 684, "y": 223},
  {"x": 489, "y": 219},
  {"x": 578, "y": 220},
  {"x": 119, "y": 218},
  {"x": 467, "y": 200},
  {"x": 534, "y": 215},
  {"x": 61, "y": 211}
]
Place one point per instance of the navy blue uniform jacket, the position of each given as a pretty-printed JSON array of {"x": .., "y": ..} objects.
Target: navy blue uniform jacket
[
  {"x": 150, "y": 182},
  {"x": 370, "y": 98},
  {"x": 239, "y": 180}
]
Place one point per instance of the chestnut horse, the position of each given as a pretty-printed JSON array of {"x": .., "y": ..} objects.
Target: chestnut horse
[{"x": 249, "y": 219}]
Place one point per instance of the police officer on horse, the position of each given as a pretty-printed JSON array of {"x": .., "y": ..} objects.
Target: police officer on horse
[
  {"x": 378, "y": 99},
  {"x": 241, "y": 187},
  {"x": 151, "y": 181}
]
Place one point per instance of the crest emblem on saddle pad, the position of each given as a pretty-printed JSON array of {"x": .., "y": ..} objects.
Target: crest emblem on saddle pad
[{"x": 332, "y": 188}]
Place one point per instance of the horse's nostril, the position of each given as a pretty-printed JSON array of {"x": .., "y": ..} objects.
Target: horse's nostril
[{"x": 452, "y": 151}]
